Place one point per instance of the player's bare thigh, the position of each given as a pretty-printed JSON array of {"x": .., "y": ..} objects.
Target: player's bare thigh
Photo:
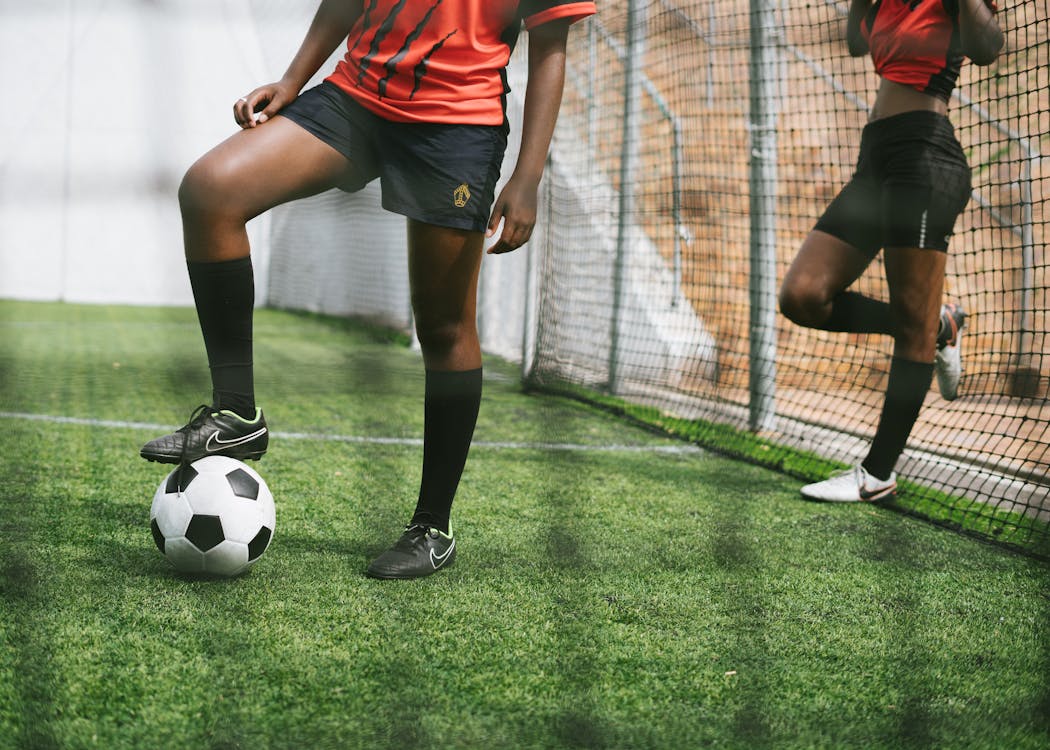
[
  {"x": 443, "y": 266},
  {"x": 915, "y": 278},
  {"x": 824, "y": 266},
  {"x": 254, "y": 170}
]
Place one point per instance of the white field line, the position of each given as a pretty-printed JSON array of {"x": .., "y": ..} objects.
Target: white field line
[{"x": 673, "y": 449}]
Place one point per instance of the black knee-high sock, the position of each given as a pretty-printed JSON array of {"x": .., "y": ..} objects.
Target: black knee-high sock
[
  {"x": 854, "y": 313},
  {"x": 909, "y": 381},
  {"x": 224, "y": 293},
  {"x": 450, "y": 412}
]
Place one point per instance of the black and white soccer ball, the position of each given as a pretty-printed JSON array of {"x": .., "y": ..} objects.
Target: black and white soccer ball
[{"x": 213, "y": 516}]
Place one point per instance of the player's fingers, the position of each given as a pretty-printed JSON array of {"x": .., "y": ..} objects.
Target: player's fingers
[
  {"x": 511, "y": 239},
  {"x": 240, "y": 112},
  {"x": 521, "y": 230},
  {"x": 250, "y": 103},
  {"x": 494, "y": 219},
  {"x": 273, "y": 107}
]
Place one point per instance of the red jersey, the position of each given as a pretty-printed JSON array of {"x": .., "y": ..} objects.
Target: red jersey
[
  {"x": 440, "y": 60},
  {"x": 916, "y": 43}
]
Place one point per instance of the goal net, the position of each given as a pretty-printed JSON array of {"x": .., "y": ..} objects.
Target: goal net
[{"x": 677, "y": 191}]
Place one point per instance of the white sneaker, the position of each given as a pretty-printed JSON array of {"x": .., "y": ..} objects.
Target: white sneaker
[
  {"x": 853, "y": 486},
  {"x": 947, "y": 362}
]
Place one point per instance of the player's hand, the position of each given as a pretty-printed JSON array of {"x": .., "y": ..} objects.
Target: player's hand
[
  {"x": 516, "y": 208},
  {"x": 262, "y": 104}
]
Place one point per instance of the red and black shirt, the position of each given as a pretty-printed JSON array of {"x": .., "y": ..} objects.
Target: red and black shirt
[
  {"x": 440, "y": 60},
  {"x": 916, "y": 43}
]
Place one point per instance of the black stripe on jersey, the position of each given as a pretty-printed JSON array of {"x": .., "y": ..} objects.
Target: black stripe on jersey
[
  {"x": 391, "y": 63},
  {"x": 365, "y": 23},
  {"x": 421, "y": 68},
  {"x": 377, "y": 40}
]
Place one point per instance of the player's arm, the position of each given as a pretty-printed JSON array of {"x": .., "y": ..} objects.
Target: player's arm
[
  {"x": 854, "y": 38},
  {"x": 331, "y": 24},
  {"x": 979, "y": 32},
  {"x": 516, "y": 204}
]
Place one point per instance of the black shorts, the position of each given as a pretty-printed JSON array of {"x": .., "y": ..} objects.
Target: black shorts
[
  {"x": 912, "y": 182},
  {"x": 437, "y": 173}
]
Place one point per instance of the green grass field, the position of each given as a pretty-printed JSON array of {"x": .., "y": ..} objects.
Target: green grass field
[{"x": 613, "y": 587}]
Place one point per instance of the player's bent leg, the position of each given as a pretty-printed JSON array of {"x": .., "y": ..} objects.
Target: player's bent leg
[
  {"x": 240, "y": 178},
  {"x": 823, "y": 268},
  {"x": 249, "y": 173}
]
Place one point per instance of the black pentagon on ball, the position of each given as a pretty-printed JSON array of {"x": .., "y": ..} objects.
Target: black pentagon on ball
[
  {"x": 243, "y": 484},
  {"x": 180, "y": 478},
  {"x": 158, "y": 537},
  {"x": 205, "y": 532},
  {"x": 258, "y": 545}
]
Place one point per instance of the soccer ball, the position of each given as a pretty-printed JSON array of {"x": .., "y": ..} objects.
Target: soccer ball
[{"x": 214, "y": 516}]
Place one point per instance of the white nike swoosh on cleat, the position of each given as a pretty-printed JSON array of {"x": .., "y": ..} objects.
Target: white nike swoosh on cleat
[
  {"x": 438, "y": 560},
  {"x": 230, "y": 443}
]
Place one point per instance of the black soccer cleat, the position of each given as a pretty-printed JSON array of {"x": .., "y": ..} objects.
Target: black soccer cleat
[
  {"x": 211, "y": 433},
  {"x": 420, "y": 551}
]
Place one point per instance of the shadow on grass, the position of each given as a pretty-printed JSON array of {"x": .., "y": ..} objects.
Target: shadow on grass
[
  {"x": 25, "y": 600},
  {"x": 733, "y": 551}
]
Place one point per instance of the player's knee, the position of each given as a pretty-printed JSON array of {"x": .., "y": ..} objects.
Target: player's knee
[
  {"x": 800, "y": 305},
  {"x": 203, "y": 190},
  {"x": 437, "y": 337},
  {"x": 916, "y": 336}
]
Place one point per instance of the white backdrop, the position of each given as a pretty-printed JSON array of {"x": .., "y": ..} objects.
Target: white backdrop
[
  {"x": 107, "y": 102},
  {"x": 112, "y": 102}
]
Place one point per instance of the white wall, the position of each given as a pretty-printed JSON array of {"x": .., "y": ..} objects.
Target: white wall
[{"x": 107, "y": 102}]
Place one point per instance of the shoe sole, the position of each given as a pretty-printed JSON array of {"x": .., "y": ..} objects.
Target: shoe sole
[
  {"x": 876, "y": 498},
  {"x": 163, "y": 458},
  {"x": 396, "y": 577}
]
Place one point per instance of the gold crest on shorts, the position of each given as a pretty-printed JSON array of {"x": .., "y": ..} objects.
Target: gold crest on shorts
[{"x": 461, "y": 195}]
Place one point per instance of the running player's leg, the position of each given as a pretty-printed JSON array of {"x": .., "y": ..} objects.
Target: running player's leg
[
  {"x": 443, "y": 271},
  {"x": 813, "y": 293},
  {"x": 250, "y": 172},
  {"x": 842, "y": 244},
  {"x": 916, "y": 280}
]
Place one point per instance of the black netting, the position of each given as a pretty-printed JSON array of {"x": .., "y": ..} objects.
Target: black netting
[{"x": 648, "y": 294}]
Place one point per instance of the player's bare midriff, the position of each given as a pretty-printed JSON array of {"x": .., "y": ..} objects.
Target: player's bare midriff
[{"x": 895, "y": 98}]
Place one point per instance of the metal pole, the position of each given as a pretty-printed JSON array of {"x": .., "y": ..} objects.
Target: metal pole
[
  {"x": 764, "y": 89},
  {"x": 710, "y": 86},
  {"x": 676, "y": 210},
  {"x": 632, "y": 97},
  {"x": 1025, "y": 378},
  {"x": 592, "y": 68}
]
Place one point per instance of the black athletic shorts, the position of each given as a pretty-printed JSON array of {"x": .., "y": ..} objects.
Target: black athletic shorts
[
  {"x": 912, "y": 182},
  {"x": 437, "y": 173}
]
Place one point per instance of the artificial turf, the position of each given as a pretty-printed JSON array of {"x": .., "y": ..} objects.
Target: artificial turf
[{"x": 613, "y": 589}]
